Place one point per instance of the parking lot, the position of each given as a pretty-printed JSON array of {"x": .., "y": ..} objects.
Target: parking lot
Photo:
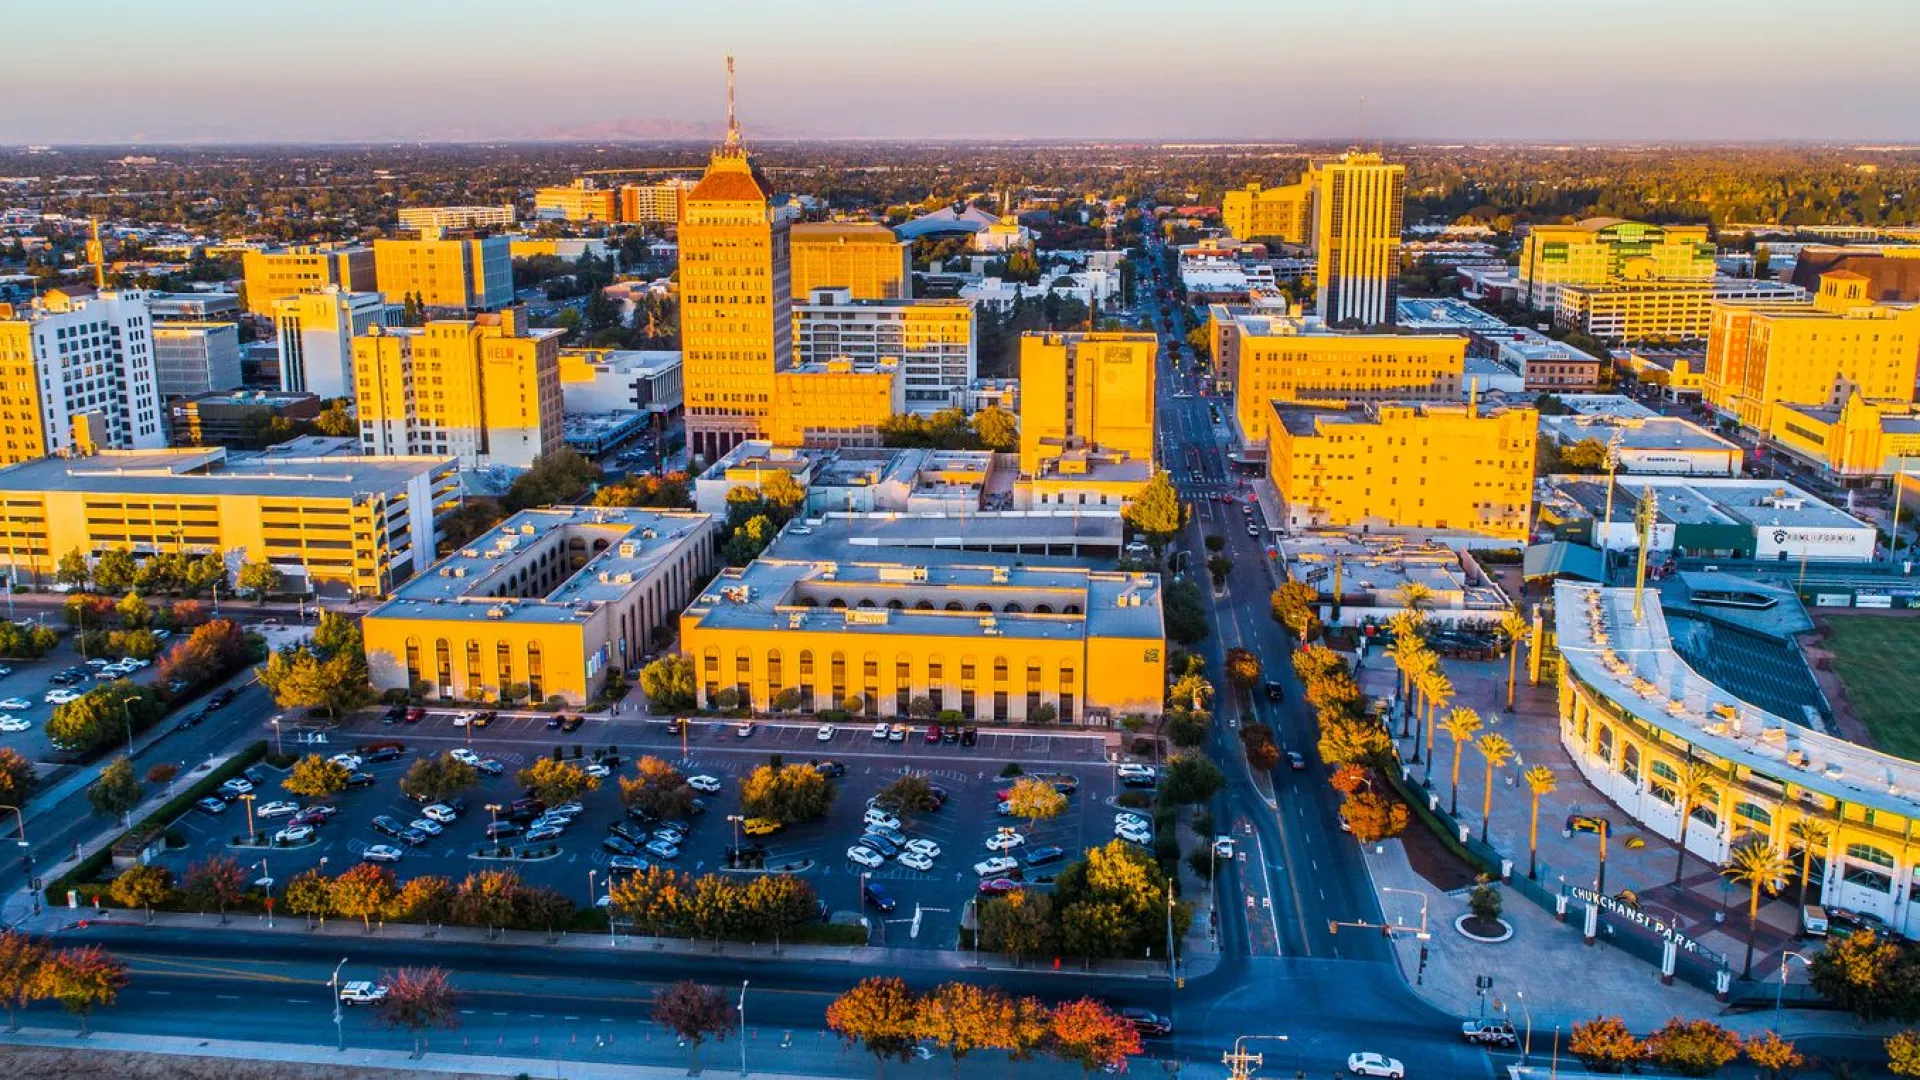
[{"x": 929, "y": 903}]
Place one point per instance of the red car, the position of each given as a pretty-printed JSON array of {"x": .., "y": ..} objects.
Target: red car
[
  {"x": 998, "y": 886},
  {"x": 313, "y": 815},
  {"x": 416, "y": 714},
  {"x": 933, "y": 733}
]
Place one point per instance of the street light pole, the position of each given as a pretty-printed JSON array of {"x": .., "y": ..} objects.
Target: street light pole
[
  {"x": 1779, "y": 995},
  {"x": 1526, "y": 1048},
  {"x": 743, "y": 1027},
  {"x": 248, "y": 799},
  {"x": 277, "y": 750},
  {"x": 126, "y": 710},
  {"x": 736, "y": 819},
  {"x": 266, "y": 875},
  {"x": 339, "y": 1031},
  {"x": 1239, "y": 1063}
]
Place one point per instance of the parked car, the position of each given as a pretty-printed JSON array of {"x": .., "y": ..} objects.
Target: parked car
[
  {"x": 540, "y": 834},
  {"x": 277, "y": 808},
  {"x": 294, "y": 834},
  {"x": 824, "y": 733},
  {"x": 381, "y": 853},
  {"x": 865, "y": 856},
  {"x": 969, "y": 736},
  {"x": 499, "y": 829},
  {"x": 759, "y": 826},
  {"x": 662, "y": 849},
  {"x": 440, "y": 812},
  {"x": 886, "y": 848},
  {"x": 618, "y": 845},
  {"x": 999, "y": 886},
  {"x": 897, "y": 733},
  {"x": 626, "y": 864},
  {"x": 924, "y": 847},
  {"x": 913, "y": 860},
  {"x": 313, "y": 815},
  {"x": 1490, "y": 1032},
  {"x": 1040, "y": 856},
  {"x": 877, "y": 816},
  {"x": 996, "y": 866},
  {"x": 359, "y": 780},
  {"x": 1005, "y": 840},
  {"x": 16, "y": 703},
  {"x": 1150, "y": 1024},
  {"x": 878, "y": 898},
  {"x": 464, "y": 756},
  {"x": 211, "y": 805},
  {"x": 704, "y": 783},
  {"x": 572, "y": 722},
  {"x": 394, "y": 714},
  {"x": 387, "y": 826},
  {"x": 1371, "y": 1064},
  {"x": 491, "y": 767},
  {"x": 425, "y": 825},
  {"x": 744, "y": 729},
  {"x": 462, "y": 719},
  {"x": 880, "y": 731},
  {"x": 933, "y": 733},
  {"x": 832, "y": 770},
  {"x": 235, "y": 787}
]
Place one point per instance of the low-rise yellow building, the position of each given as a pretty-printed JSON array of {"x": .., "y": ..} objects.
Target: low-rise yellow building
[
  {"x": 993, "y": 643},
  {"x": 866, "y": 259},
  {"x": 1604, "y": 250},
  {"x": 1817, "y": 353},
  {"x": 1086, "y": 392},
  {"x": 578, "y": 201},
  {"x": 1860, "y": 440},
  {"x": 474, "y": 275},
  {"x": 1287, "y": 358},
  {"x": 1277, "y": 213},
  {"x": 485, "y": 390},
  {"x": 358, "y": 522},
  {"x": 1404, "y": 466},
  {"x": 273, "y": 275},
  {"x": 542, "y": 606},
  {"x": 836, "y": 403}
]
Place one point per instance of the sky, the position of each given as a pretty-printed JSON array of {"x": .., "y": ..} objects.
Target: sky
[{"x": 161, "y": 71}]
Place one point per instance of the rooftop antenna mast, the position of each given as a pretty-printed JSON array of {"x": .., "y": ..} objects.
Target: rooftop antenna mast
[
  {"x": 733, "y": 124},
  {"x": 1360, "y": 127}
]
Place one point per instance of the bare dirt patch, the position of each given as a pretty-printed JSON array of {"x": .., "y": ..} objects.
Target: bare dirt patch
[{"x": 84, "y": 1063}]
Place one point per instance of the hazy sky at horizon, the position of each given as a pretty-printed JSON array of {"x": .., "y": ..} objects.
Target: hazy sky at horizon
[{"x": 352, "y": 70}]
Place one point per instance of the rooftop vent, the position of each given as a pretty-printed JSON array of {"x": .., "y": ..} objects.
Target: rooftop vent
[
  {"x": 496, "y": 613},
  {"x": 470, "y": 553}
]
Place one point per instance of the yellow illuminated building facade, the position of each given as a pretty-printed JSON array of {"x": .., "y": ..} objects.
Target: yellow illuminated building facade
[
  {"x": 865, "y": 259},
  {"x": 271, "y": 276},
  {"x": 542, "y": 607},
  {"x": 1860, "y": 440},
  {"x": 1817, "y": 353},
  {"x": 736, "y": 311},
  {"x": 1602, "y": 251},
  {"x": 1279, "y": 213},
  {"x": 356, "y": 522},
  {"x": 836, "y": 403},
  {"x": 995, "y": 644},
  {"x": 1086, "y": 391},
  {"x": 473, "y": 275},
  {"x": 578, "y": 201},
  {"x": 485, "y": 390},
  {"x": 653, "y": 204},
  {"x": 22, "y": 435},
  {"x": 1358, "y": 203},
  {"x": 1281, "y": 358},
  {"x": 1405, "y": 466}
]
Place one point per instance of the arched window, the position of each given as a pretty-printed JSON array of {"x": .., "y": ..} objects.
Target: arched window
[
  {"x": 1869, "y": 867},
  {"x": 1605, "y": 748},
  {"x": 774, "y": 684},
  {"x": 1870, "y": 854},
  {"x": 503, "y": 664},
  {"x": 923, "y": 605},
  {"x": 1070, "y": 609},
  {"x": 1630, "y": 762},
  {"x": 1753, "y": 812},
  {"x": 806, "y": 663},
  {"x": 413, "y": 662},
  {"x": 808, "y": 601},
  {"x": 1706, "y": 815},
  {"x": 443, "y": 666},
  {"x": 1043, "y": 609},
  {"x": 474, "y": 679},
  {"x": 536, "y": 673},
  {"x": 710, "y": 664},
  {"x": 953, "y": 605},
  {"x": 836, "y": 602},
  {"x": 894, "y": 605},
  {"x": 988, "y": 608},
  {"x": 1011, "y": 609},
  {"x": 1664, "y": 771},
  {"x": 866, "y": 601}
]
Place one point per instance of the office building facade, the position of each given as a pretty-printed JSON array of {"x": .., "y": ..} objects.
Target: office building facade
[
  {"x": 191, "y": 358},
  {"x": 578, "y": 201},
  {"x": 1262, "y": 213},
  {"x": 433, "y": 220},
  {"x": 1358, "y": 203},
  {"x": 933, "y": 340},
  {"x": 867, "y": 260},
  {"x": 471, "y": 275},
  {"x": 1605, "y": 251},
  {"x": 1081, "y": 391},
  {"x": 77, "y": 374},
  {"x": 315, "y": 332},
  {"x": 273, "y": 275}
]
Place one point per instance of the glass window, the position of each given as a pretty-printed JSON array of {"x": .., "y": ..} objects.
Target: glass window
[
  {"x": 1869, "y": 853},
  {"x": 1753, "y": 812},
  {"x": 1664, "y": 771}
]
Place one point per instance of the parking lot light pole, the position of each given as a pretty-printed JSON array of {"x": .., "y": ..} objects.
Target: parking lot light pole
[
  {"x": 247, "y": 798},
  {"x": 1780, "y": 995},
  {"x": 266, "y": 875},
  {"x": 743, "y": 1027},
  {"x": 126, "y": 710},
  {"x": 277, "y": 751},
  {"x": 736, "y": 819},
  {"x": 339, "y": 1030},
  {"x": 494, "y": 809},
  {"x": 1526, "y": 1047}
]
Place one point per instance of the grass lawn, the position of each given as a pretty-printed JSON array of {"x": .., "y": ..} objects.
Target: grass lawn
[{"x": 1878, "y": 660}]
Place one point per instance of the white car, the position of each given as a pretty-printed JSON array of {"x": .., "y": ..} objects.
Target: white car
[
  {"x": 14, "y": 723},
  {"x": 60, "y": 696},
  {"x": 1005, "y": 841},
  {"x": 440, "y": 812},
  {"x": 1125, "y": 818},
  {"x": 879, "y": 732},
  {"x": 704, "y": 784},
  {"x": 279, "y": 808},
  {"x": 924, "y": 847},
  {"x": 462, "y": 719},
  {"x": 348, "y": 761},
  {"x": 425, "y": 825},
  {"x": 568, "y": 810},
  {"x": 362, "y": 993},
  {"x": 1138, "y": 834},
  {"x": 294, "y": 834},
  {"x": 599, "y": 771},
  {"x": 744, "y": 729},
  {"x": 134, "y": 663},
  {"x": 464, "y": 756},
  {"x": 881, "y": 819},
  {"x": 824, "y": 733},
  {"x": 914, "y": 860},
  {"x": 381, "y": 853},
  {"x": 16, "y": 703},
  {"x": 1371, "y": 1064},
  {"x": 236, "y": 787},
  {"x": 865, "y": 856},
  {"x": 995, "y": 866}
]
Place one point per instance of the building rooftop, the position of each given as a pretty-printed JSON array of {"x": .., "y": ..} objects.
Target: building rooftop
[
  {"x": 844, "y": 232},
  {"x": 627, "y": 361},
  {"x": 259, "y": 398},
  {"x": 1031, "y": 537},
  {"x": 208, "y": 470},
  {"x": 1532, "y": 347},
  {"x": 1632, "y": 662},
  {"x": 854, "y": 598},
  {"x": 478, "y": 581},
  {"x": 1444, "y": 313},
  {"x": 1380, "y": 565},
  {"x": 1616, "y": 405},
  {"x": 1636, "y": 433},
  {"x": 1693, "y": 500}
]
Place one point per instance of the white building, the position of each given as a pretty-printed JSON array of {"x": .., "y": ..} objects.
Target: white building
[
  {"x": 194, "y": 358},
  {"x": 315, "y": 332},
  {"x": 1655, "y": 444},
  {"x": 932, "y": 339},
  {"x": 1767, "y": 520},
  {"x": 440, "y": 218},
  {"x": 92, "y": 356},
  {"x": 620, "y": 380}
]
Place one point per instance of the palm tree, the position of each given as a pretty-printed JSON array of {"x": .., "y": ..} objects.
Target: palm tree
[
  {"x": 1461, "y": 725},
  {"x": 1415, "y": 596},
  {"x": 1812, "y": 833},
  {"x": 1758, "y": 865},
  {"x": 1540, "y": 781},
  {"x": 1414, "y": 661},
  {"x": 1689, "y": 789},
  {"x": 1497, "y": 751},
  {"x": 1439, "y": 691},
  {"x": 1518, "y": 629}
]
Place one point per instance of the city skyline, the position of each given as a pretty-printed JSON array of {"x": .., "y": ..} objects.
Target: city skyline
[{"x": 1118, "y": 71}]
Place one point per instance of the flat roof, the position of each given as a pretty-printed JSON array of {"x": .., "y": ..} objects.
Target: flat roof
[
  {"x": 1632, "y": 663},
  {"x": 632, "y": 543},
  {"x": 956, "y": 538},
  {"x": 1444, "y": 313},
  {"x": 1695, "y": 500},
  {"x": 1604, "y": 405},
  {"x": 210, "y": 471},
  {"x": 1381, "y": 565},
  {"x": 1636, "y": 433},
  {"x": 774, "y": 594}
]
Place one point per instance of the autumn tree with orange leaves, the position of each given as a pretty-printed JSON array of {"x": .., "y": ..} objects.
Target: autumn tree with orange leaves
[
  {"x": 882, "y": 1015},
  {"x": 1091, "y": 1035}
]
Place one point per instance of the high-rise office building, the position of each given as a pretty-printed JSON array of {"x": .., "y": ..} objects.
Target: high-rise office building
[
  {"x": 193, "y": 358},
  {"x": 315, "y": 333},
  {"x": 1263, "y": 213},
  {"x": 77, "y": 375},
  {"x": 271, "y": 275},
  {"x": 473, "y": 275},
  {"x": 1607, "y": 251},
  {"x": 1357, "y": 206},
  {"x": 485, "y": 390},
  {"x": 867, "y": 260},
  {"x": 1080, "y": 391},
  {"x": 736, "y": 311},
  {"x": 932, "y": 339}
]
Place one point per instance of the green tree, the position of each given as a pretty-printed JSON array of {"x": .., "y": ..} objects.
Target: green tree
[
  {"x": 309, "y": 895},
  {"x": 114, "y": 570},
  {"x": 749, "y": 540},
  {"x": 1243, "y": 668},
  {"x": 1155, "y": 512},
  {"x": 1191, "y": 778},
  {"x": 259, "y": 579},
  {"x": 73, "y": 570},
  {"x": 962, "y": 1018},
  {"x": 1774, "y": 1054},
  {"x": 315, "y": 777},
  {"x": 788, "y": 794},
  {"x": 1861, "y": 973},
  {"x": 669, "y": 683},
  {"x": 1019, "y": 924},
  {"x": 116, "y": 791},
  {"x": 909, "y": 794},
  {"x": 438, "y": 778},
  {"x": 142, "y": 887},
  {"x": 1758, "y": 865},
  {"x": 1182, "y": 614},
  {"x": 997, "y": 429}
]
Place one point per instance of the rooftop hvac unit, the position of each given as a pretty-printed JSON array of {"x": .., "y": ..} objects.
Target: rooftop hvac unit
[
  {"x": 649, "y": 534},
  {"x": 470, "y": 553},
  {"x": 496, "y": 613},
  {"x": 628, "y": 549},
  {"x": 526, "y": 528}
]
